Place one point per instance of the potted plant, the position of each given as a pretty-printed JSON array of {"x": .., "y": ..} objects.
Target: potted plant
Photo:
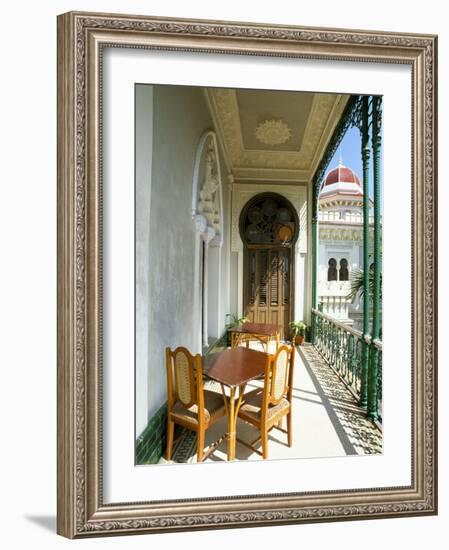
[
  {"x": 234, "y": 321},
  {"x": 297, "y": 331}
]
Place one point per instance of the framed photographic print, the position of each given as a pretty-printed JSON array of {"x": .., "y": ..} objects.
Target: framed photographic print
[{"x": 246, "y": 274}]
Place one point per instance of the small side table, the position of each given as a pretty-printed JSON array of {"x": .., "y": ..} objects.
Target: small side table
[{"x": 259, "y": 331}]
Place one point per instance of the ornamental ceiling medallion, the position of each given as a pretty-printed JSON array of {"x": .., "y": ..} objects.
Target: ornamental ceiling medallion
[{"x": 273, "y": 132}]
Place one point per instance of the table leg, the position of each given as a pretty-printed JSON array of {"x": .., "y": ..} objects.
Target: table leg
[
  {"x": 231, "y": 425},
  {"x": 235, "y": 340},
  {"x": 233, "y": 410},
  {"x": 267, "y": 344}
]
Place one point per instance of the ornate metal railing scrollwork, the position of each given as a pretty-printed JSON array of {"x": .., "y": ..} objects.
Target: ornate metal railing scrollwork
[{"x": 342, "y": 347}]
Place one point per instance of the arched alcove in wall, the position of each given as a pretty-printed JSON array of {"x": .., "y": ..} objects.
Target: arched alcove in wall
[{"x": 207, "y": 213}]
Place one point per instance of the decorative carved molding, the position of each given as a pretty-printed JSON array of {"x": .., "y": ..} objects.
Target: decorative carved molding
[
  {"x": 261, "y": 517},
  {"x": 224, "y": 103},
  {"x": 250, "y": 30},
  {"x": 210, "y": 236},
  {"x": 272, "y": 132},
  {"x": 200, "y": 223},
  {"x": 340, "y": 233},
  {"x": 275, "y": 176},
  {"x": 75, "y": 233},
  {"x": 242, "y": 193},
  {"x": 207, "y": 201},
  {"x": 80, "y": 277},
  {"x": 340, "y": 200}
]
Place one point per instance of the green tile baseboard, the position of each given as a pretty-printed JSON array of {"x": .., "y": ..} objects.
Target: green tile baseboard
[{"x": 150, "y": 445}]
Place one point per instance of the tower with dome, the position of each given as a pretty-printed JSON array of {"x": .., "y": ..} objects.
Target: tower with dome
[{"x": 340, "y": 243}]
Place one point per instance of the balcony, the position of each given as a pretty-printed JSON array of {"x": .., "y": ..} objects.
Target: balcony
[
  {"x": 356, "y": 359},
  {"x": 328, "y": 420},
  {"x": 350, "y": 218},
  {"x": 333, "y": 299}
]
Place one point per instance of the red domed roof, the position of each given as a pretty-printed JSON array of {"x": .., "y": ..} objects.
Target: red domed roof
[{"x": 341, "y": 174}]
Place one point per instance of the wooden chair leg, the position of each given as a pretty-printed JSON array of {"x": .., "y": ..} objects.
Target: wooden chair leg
[
  {"x": 200, "y": 445},
  {"x": 170, "y": 434},
  {"x": 264, "y": 444},
  {"x": 289, "y": 429},
  {"x": 280, "y": 423}
]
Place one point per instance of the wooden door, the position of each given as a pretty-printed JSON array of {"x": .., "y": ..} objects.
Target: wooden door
[{"x": 268, "y": 285}]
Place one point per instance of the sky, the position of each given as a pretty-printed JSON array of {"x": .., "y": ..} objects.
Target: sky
[{"x": 349, "y": 151}]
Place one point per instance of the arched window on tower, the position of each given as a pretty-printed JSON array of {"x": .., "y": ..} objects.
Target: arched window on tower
[
  {"x": 344, "y": 272},
  {"x": 332, "y": 270}
]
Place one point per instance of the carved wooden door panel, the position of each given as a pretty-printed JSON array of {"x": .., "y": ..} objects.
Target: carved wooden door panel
[{"x": 267, "y": 281}]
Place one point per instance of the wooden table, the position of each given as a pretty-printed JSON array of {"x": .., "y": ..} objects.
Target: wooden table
[
  {"x": 234, "y": 368},
  {"x": 260, "y": 331}
]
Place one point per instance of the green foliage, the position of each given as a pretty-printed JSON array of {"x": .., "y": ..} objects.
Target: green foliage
[
  {"x": 358, "y": 285},
  {"x": 235, "y": 321},
  {"x": 297, "y": 328}
]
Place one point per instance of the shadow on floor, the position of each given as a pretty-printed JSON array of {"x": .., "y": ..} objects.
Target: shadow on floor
[
  {"x": 357, "y": 433},
  {"x": 322, "y": 394},
  {"x": 46, "y": 522}
]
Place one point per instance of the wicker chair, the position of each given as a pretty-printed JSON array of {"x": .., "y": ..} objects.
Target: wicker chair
[
  {"x": 189, "y": 404},
  {"x": 266, "y": 407}
]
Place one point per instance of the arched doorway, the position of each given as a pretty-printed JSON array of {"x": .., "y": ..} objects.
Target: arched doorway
[{"x": 269, "y": 228}]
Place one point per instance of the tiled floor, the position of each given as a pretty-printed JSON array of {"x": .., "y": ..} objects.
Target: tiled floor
[{"x": 327, "y": 421}]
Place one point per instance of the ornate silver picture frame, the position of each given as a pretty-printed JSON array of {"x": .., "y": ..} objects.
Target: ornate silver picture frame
[{"x": 82, "y": 40}]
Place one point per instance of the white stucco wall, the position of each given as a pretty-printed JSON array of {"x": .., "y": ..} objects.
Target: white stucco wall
[
  {"x": 180, "y": 118},
  {"x": 144, "y": 147},
  {"x": 169, "y": 126}
]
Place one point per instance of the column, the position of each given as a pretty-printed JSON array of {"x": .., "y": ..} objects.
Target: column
[
  {"x": 366, "y": 259},
  {"x": 373, "y": 371},
  {"x": 315, "y": 195},
  {"x": 200, "y": 228},
  {"x": 208, "y": 235},
  {"x": 204, "y": 300}
]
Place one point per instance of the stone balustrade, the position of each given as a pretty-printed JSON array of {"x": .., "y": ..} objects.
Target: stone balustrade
[{"x": 343, "y": 217}]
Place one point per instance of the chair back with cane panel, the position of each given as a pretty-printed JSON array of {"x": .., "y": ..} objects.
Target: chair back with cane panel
[
  {"x": 266, "y": 407},
  {"x": 184, "y": 377},
  {"x": 188, "y": 403},
  {"x": 278, "y": 381}
]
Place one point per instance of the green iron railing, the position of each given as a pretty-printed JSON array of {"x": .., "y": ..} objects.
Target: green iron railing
[
  {"x": 377, "y": 344},
  {"x": 355, "y": 356},
  {"x": 343, "y": 349}
]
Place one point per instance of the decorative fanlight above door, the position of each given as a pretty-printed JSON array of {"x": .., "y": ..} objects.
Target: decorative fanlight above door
[{"x": 269, "y": 219}]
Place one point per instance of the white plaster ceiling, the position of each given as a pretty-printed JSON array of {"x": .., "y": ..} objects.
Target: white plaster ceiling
[{"x": 310, "y": 117}]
